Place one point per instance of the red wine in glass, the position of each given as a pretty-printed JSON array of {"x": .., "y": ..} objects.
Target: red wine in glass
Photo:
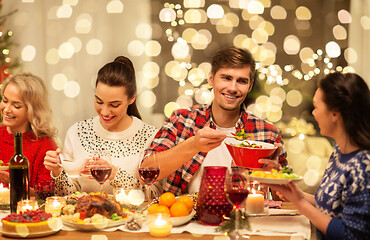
[
  {"x": 148, "y": 175},
  {"x": 236, "y": 197},
  {"x": 101, "y": 174},
  {"x": 236, "y": 190},
  {"x": 149, "y": 172}
]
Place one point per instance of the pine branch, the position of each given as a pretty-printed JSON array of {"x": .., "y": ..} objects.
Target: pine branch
[{"x": 229, "y": 224}]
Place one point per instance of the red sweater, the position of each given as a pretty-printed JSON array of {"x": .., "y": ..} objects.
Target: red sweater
[{"x": 33, "y": 149}]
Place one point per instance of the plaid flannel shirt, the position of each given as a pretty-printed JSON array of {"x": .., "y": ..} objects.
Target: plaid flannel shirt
[{"x": 184, "y": 123}]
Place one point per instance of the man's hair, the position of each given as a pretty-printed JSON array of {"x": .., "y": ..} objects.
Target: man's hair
[{"x": 233, "y": 57}]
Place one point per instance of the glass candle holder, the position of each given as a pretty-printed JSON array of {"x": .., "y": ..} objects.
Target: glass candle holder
[
  {"x": 26, "y": 205},
  {"x": 257, "y": 202},
  {"x": 159, "y": 224},
  {"x": 129, "y": 197},
  {"x": 54, "y": 205}
]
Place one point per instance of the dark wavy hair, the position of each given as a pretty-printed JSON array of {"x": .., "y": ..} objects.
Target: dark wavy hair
[
  {"x": 348, "y": 94},
  {"x": 120, "y": 73},
  {"x": 233, "y": 57}
]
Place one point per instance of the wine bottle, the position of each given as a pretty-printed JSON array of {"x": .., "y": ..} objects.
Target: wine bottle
[{"x": 18, "y": 174}]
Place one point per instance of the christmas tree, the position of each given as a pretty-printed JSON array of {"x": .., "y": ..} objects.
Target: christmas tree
[{"x": 6, "y": 61}]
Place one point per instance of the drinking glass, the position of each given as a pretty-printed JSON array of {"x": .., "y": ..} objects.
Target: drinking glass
[
  {"x": 237, "y": 189},
  {"x": 44, "y": 189},
  {"x": 100, "y": 166},
  {"x": 149, "y": 172}
]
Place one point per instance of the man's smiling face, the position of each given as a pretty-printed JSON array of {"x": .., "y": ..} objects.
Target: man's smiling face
[{"x": 230, "y": 86}]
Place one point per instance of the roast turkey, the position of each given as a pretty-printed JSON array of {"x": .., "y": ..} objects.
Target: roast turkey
[{"x": 100, "y": 204}]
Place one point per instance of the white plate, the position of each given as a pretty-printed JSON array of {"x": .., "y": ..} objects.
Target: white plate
[
  {"x": 32, "y": 235},
  {"x": 4, "y": 168},
  {"x": 283, "y": 212},
  {"x": 274, "y": 180},
  {"x": 178, "y": 221},
  {"x": 94, "y": 226}
]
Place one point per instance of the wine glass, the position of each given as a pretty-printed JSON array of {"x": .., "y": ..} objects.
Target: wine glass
[
  {"x": 148, "y": 172},
  {"x": 237, "y": 189},
  {"x": 100, "y": 166}
]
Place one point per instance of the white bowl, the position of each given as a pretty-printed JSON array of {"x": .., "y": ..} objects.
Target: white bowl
[
  {"x": 73, "y": 168},
  {"x": 178, "y": 221}
]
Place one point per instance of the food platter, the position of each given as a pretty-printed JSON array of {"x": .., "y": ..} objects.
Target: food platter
[
  {"x": 93, "y": 226},
  {"x": 2, "y": 168},
  {"x": 274, "y": 180}
]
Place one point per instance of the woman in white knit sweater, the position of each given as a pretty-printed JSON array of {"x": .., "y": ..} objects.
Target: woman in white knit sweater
[{"x": 117, "y": 128}]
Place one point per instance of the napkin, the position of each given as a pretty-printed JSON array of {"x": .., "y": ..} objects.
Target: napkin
[{"x": 281, "y": 225}]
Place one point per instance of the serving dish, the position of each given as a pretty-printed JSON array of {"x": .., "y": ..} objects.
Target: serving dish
[
  {"x": 178, "y": 221},
  {"x": 248, "y": 157},
  {"x": 274, "y": 180},
  {"x": 93, "y": 226}
]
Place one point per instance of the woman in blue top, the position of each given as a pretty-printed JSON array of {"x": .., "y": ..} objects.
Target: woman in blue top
[{"x": 340, "y": 208}]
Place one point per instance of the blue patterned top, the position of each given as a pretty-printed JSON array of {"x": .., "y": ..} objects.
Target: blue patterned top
[{"x": 344, "y": 194}]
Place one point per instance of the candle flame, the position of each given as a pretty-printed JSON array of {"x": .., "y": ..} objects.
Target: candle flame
[
  {"x": 1, "y": 185},
  {"x": 253, "y": 191}
]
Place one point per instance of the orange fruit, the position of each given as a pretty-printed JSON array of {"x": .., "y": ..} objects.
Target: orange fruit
[
  {"x": 179, "y": 209},
  {"x": 167, "y": 199},
  {"x": 153, "y": 208},
  {"x": 187, "y": 201},
  {"x": 163, "y": 209}
]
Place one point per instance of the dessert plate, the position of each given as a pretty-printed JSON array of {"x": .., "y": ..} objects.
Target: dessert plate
[{"x": 32, "y": 235}]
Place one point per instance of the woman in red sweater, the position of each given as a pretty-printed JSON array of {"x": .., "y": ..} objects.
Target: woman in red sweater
[{"x": 25, "y": 108}]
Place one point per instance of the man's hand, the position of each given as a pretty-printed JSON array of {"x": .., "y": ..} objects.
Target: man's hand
[
  {"x": 273, "y": 162},
  {"x": 207, "y": 139}
]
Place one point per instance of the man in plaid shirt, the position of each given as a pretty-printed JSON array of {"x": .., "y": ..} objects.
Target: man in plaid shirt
[{"x": 193, "y": 138}]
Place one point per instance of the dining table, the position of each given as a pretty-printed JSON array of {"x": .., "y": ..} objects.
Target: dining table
[{"x": 68, "y": 234}]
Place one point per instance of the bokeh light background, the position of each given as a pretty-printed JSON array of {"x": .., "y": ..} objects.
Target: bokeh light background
[{"x": 295, "y": 42}]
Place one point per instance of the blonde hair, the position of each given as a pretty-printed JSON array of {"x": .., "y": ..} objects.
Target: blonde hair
[{"x": 35, "y": 97}]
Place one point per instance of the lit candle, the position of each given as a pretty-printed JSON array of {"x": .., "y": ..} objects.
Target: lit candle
[
  {"x": 54, "y": 205},
  {"x": 128, "y": 197},
  {"x": 255, "y": 203},
  {"x": 160, "y": 225},
  {"x": 25, "y": 205},
  {"x": 121, "y": 196},
  {"x": 4, "y": 195}
]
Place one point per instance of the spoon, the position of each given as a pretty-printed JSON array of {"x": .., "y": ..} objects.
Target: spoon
[{"x": 61, "y": 157}]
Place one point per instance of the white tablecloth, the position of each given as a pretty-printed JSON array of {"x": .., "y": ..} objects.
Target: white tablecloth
[{"x": 297, "y": 226}]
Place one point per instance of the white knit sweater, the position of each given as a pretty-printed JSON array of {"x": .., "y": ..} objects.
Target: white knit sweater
[{"x": 125, "y": 147}]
